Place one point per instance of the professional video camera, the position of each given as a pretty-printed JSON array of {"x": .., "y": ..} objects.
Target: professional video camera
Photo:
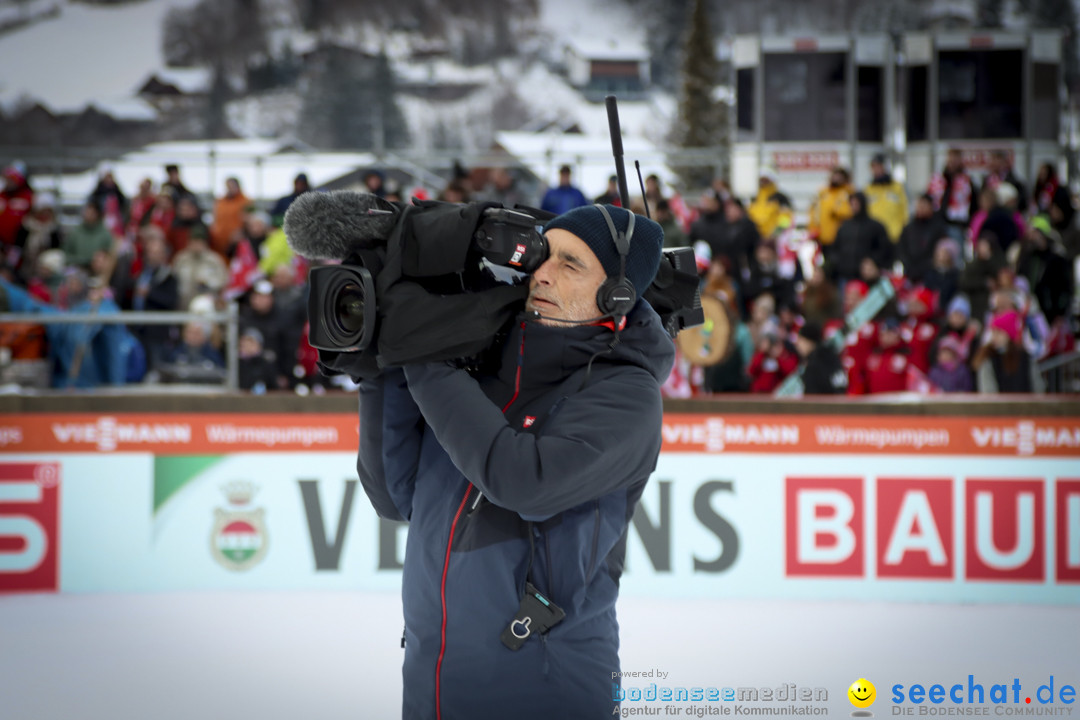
[
  {"x": 429, "y": 281},
  {"x": 424, "y": 281}
]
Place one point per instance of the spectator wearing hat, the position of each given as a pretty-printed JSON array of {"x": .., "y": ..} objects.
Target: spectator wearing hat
[
  {"x": 300, "y": 186},
  {"x": 764, "y": 277},
  {"x": 769, "y": 204},
  {"x": 979, "y": 276},
  {"x": 860, "y": 237},
  {"x": 887, "y": 366},
  {"x": 953, "y": 192},
  {"x": 824, "y": 373},
  {"x": 187, "y": 223},
  {"x": 830, "y": 209},
  {"x": 262, "y": 313},
  {"x": 886, "y": 199},
  {"x": 16, "y": 200},
  {"x": 917, "y": 328},
  {"x": 565, "y": 196},
  {"x": 229, "y": 211},
  {"x": 943, "y": 277},
  {"x": 375, "y": 182},
  {"x": 1002, "y": 365},
  {"x": 610, "y": 196},
  {"x": 154, "y": 288},
  {"x": 1001, "y": 173},
  {"x": 740, "y": 240},
  {"x": 674, "y": 237},
  {"x": 502, "y": 188},
  {"x": 920, "y": 236},
  {"x": 711, "y": 223},
  {"x": 199, "y": 269},
  {"x": 1046, "y": 187},
  {"x": 258, "y": 366},
  {"x": 40, "y": 231},
  {"x": 174, "y": 186},
  {"x": 1062, "y": 216},
  {"x": 256, "y": 229},
  {"x": 950, "y": 372},
  {"x": 195, "y": 354},
  {"x": 114, "y": 205},
  {"x": 1049, "y": 273},
  {"x": 958, "y": 324},
  {"x": 998, "y": 216},
  {"x": 141, "y": 207},
  {"x": 44, "y": 283},
  {"x": 85, "y": 239},
  {"x": 774, "y": 360}
]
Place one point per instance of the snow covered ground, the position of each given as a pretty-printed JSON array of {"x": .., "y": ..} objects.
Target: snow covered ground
[{"x": 336, "y": 655}]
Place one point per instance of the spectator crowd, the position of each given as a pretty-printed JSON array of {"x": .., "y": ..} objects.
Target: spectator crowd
[{"x": 981, "y": 272}]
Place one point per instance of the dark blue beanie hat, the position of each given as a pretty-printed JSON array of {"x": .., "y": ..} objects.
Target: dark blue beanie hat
[{"x": 642, "y": 261}]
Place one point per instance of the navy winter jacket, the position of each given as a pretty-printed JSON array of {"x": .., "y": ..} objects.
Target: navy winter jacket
[{"x": 491, "y": 471}]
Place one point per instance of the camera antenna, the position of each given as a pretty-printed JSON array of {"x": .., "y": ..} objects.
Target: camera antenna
[
  {"x": 644, "y": 197},
  {"x": 617, "y": 149}
]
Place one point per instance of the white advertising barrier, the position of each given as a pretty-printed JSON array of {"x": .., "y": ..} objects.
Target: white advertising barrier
[{"x": 734, "y": 525}]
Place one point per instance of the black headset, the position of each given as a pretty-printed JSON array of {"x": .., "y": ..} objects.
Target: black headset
[{"x": 616, "y": 296}]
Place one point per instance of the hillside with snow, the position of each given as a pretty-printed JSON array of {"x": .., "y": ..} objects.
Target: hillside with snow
[{"x": 94, "y": 55}]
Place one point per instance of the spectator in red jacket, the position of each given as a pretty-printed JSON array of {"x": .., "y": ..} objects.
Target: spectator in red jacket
[
  {"x": 773, "y": 361},
  {"x": 16, "y": 199},
  {"x": 918, "y": 330},
  {"x": 887, "y": 366}
]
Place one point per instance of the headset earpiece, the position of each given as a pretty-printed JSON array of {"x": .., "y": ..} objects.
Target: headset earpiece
[{"x": 616, "y": 296}]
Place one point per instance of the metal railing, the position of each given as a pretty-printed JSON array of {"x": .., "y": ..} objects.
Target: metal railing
[
  {"x": 1061, "y": 373},
  {"x": 230, "y": 318}
]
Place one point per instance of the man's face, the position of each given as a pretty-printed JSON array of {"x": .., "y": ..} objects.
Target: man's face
[
  {"x": 564, "y": 178},
  {"x": 565, "y": 286}
]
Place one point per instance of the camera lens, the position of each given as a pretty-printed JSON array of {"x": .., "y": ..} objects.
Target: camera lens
[
  {"x": 341, "y": 306},
  {"x": 349, "y": 308}
]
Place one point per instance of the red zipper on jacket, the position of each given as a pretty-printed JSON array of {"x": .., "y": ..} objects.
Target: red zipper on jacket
[
  {"x": 450, "y": 543},
  {"x": 517, "y": 375},
  {"x": 442, "y": 592}
]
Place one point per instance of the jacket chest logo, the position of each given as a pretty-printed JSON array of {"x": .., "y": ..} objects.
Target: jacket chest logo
[{"x": 529, "y": 420}]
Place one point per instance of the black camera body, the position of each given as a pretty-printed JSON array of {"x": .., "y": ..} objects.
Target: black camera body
[
  {"x": 431, "y": 288},
  {"x": 343, "y": 306}
]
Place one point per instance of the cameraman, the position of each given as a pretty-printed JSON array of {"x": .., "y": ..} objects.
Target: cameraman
[{"x": 525, "y": 477}]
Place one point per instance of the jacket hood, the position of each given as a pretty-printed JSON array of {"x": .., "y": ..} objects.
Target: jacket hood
[{"x": 552, "y": 353}]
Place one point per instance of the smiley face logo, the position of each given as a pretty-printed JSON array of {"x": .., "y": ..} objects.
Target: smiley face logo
[{"x": 862, "y": 693}]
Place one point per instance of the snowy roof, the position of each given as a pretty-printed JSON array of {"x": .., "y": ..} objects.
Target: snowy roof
[
  {"x": 443, "y": 72},
  {"x": 85, "y": 53},
  {"x": 188, "y": 80},
  {"x": 590, "y": 157},
  {"x": 126, "y": 108},
  {"x": 598, "y": 48}
]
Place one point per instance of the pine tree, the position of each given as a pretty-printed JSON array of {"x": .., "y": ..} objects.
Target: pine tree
[{"x": 703, "y": 122}]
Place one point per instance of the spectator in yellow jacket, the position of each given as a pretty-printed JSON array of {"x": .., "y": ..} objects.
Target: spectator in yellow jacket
[
  {"x": 274, "y": 252},
  {"x": 887, "y": 199},
  {"x": 769, "y": 204},
  {"x": 831, "y": 207}
]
